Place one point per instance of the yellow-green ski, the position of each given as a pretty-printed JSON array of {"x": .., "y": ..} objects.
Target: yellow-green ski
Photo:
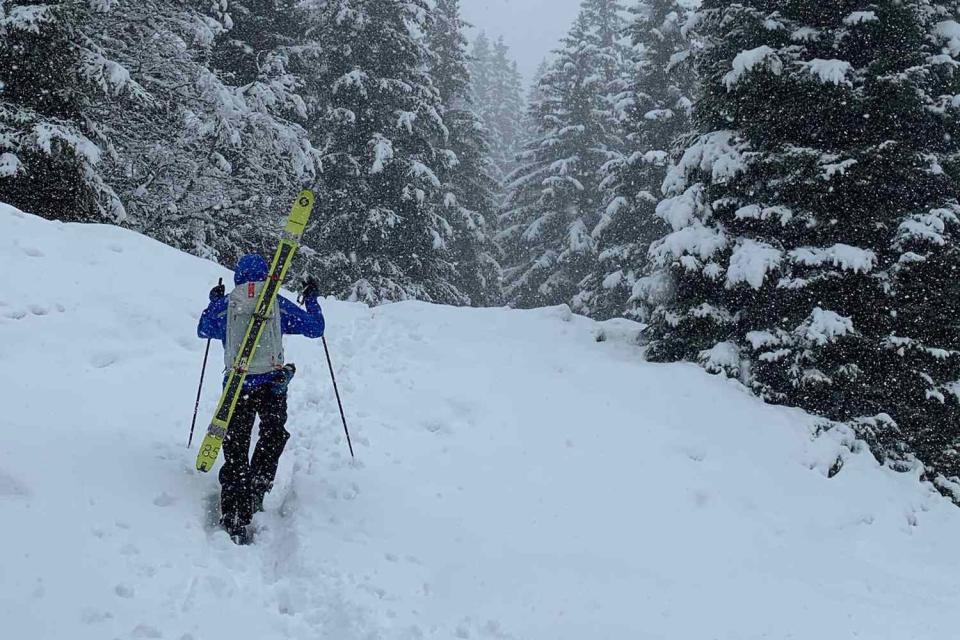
[{"x": 282, "y": 259}]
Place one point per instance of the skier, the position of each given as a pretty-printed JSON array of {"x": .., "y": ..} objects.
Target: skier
[{"x": 244, "y": 481}]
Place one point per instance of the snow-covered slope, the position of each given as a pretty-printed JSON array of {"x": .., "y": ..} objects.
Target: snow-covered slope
[{"x": 515, "y": 479}]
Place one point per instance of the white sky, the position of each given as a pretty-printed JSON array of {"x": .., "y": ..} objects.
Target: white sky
[{"x": 531, "y": 28}]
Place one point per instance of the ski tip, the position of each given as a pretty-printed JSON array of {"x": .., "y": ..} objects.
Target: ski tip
[
  {"x": 305, "y": 199},
  {"x": 300, "y": 214}
]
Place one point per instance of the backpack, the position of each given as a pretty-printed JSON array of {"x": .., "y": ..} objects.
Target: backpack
[{"x": 241, "y": 305}]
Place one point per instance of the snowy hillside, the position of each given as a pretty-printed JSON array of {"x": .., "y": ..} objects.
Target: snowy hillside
[{"x": 515, "y": 479}]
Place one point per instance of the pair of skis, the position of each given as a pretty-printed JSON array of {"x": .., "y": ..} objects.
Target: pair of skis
[{"x": 282, "y": 259}]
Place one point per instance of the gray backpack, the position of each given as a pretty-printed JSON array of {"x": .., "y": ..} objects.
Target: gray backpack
[{"x": 240, "y": 308}]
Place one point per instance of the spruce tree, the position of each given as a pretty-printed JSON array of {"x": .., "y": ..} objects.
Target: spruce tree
[
  {"x": 529, "y": 129},
  {"x": 257, "y": 32},
  {"x": 256, "y": 58},
  {"x": 654, "y": 113},
  {"x": 51, "y": 146},
  {"x": 202, "y": 162},
  {"x": 497, "y": 94},
  {"x": 554, "y": 198},
  {"x": 813, "y": 244},
  {"x": 506, "y": 110},
  {"x": 381, "y": 234},
  {"x": 470, "y": 190},
  {"x": 482, "y": 75}
]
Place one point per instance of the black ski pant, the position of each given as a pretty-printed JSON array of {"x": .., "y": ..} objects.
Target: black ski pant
[{"x": 244, "y": 481}]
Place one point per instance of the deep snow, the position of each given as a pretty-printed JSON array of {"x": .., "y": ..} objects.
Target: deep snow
[{"x": 515, "y": 479}]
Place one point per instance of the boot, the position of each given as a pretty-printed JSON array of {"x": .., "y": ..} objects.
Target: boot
[
  {"x": 239, "y": 534},
  {"x": 260, "y": 491}
]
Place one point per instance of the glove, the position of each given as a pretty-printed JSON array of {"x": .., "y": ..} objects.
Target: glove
[
  {"x": 311, "y": 289},
  {"x": 284, "y": 376},
  {"x": 218, "y": 292}
]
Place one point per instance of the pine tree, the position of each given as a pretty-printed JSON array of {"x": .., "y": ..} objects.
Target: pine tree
[
  {"x": 106, "y": 103},
  {"x": 554, "y": 198},
  {"x": 50, "y": 146},
  {"x": 255, "y": 56},
  {"x": 506, "y": 112},
  {"x": 534, "y": 93},
  {"x": 655, "y": 111},
  {"x": 470, "y": 190},
  {"x": 497, "y": 93},
  {"x": 257, "y": 32},
  {"x": 380, "y": 235},
  {"x": 448, "y": 44},
  {"x": 529, "y": 128},
  {"x": 813, "y": 250},
  {"x": 481, "y": 75},
  {"x": 201, "y": 164}
]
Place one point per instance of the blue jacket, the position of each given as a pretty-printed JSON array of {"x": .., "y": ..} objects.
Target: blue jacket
[{"x": 293, "y": 319}]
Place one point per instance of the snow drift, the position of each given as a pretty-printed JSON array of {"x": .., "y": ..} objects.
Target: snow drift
[{"x": 516, "y": 478}]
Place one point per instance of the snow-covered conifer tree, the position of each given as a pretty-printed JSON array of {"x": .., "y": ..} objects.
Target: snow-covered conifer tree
[
  {"x": 497, "y": 92},
  {"x": 256, "y": 35},
  {"x": 470, "y": 191},
  {"x": 201, "y": 163},
  {"x": 506, "y": 111},
  {"x": 256, "y": 57},
  {"x": 380, "y": 232},
  {"x": 554, "y": 198},
  {"x": 481, "y": 73},
  {"x": 813, "y": 242},
  {"x": 654, "y": 112},
  {"x": 51, "y": 146}
]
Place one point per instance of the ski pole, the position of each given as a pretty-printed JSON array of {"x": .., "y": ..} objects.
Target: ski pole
[
  {"x": 203, "y": 371},
  {"x": 337, "y": 392}
]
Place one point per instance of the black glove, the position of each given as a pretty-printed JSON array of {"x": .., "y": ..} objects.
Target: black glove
[
  {"x": 283, "y": 378},
  {"x": 218, "y": 291},
  {"x": 310, "y": 290}
]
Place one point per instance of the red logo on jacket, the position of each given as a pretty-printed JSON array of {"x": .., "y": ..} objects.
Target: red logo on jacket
[{"x": 251, "y": 289}]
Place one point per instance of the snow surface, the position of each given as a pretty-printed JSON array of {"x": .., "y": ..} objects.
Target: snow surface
[{"x": 516, "y": 479}]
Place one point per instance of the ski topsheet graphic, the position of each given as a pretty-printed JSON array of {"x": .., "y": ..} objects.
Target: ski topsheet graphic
[{"x": 289, "y": 243}]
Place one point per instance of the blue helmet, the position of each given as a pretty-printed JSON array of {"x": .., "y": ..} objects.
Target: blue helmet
[{"x": 251, "y": 268}]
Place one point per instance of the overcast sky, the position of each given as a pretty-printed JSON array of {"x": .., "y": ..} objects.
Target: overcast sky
[{"x": 531, "y": 28}]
